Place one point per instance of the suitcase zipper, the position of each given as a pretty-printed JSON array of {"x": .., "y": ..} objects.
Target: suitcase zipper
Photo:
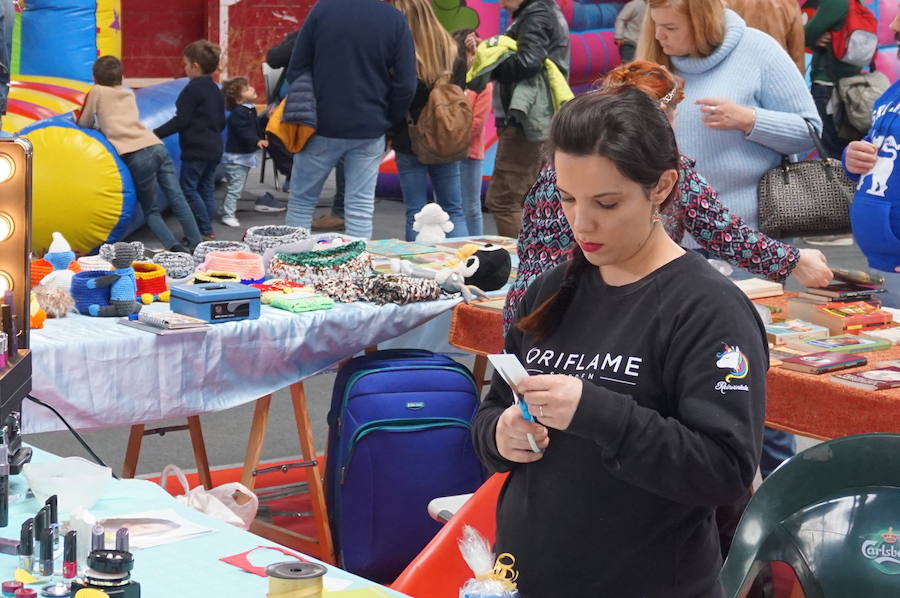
[{"x": 399, "y": 425}]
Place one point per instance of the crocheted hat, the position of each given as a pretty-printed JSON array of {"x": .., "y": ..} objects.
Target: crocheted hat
[
  {"x": 178, "y": 265},
  {"x": 85, "y": 297},
  {"x": 249, "y": 266},
  {"x": 207, "y": 247},
  {"x": 260, "y": 238},
  {"x": 151, "y": 282},
  {"x": 59, "y": 253},
  {"x": 93, "y": 262}
]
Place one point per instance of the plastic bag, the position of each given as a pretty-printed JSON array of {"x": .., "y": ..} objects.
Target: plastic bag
[
  {"x": 233, "y": 503},
  {"x": 493, "y": 579}
]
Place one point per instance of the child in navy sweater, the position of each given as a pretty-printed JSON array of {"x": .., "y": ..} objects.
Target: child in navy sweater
[
  {"x": 245, "y": 136},
  {"x": 199, "y": 120}
]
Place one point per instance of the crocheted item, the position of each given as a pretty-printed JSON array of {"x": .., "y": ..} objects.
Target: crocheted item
[
  {"x": 260, "y": 238},
  {"x": 396, "y": 288},
  {"x": 207, "y": 247},
  {"x": 302, "y": 303},
  {"x": 249, "y": 266},
  {"x": 201, "y": 277},
  {"x": 178, "y": 265},
  {"x": 342, "y": 290},
  {"x": 381, "y": 289},
  {"x": 151, "y": 282},
  {"x": 93, "y": 262},
  {"x": 276, "y": 288},
  {"x": 345, "y": 261},
  {"x": 41, "y": 268},
  {"x": 85, "y": 297}
]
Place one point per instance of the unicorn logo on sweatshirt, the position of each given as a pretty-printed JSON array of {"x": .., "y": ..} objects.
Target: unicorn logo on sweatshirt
[
  {"x": 732, "y": 359},
  {"x": 883, "y": 168}
]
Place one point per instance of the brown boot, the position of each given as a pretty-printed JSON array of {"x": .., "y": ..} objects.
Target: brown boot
[{"x": 328, "y": 221}]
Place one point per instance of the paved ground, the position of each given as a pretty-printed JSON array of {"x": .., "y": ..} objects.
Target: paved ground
[{"x": 226, "y": 432}]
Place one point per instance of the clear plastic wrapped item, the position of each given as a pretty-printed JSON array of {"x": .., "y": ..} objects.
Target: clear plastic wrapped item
[{"x": 493, "y": 578}]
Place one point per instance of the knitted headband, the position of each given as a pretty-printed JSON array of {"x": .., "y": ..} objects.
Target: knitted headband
[
  {"x": 260, "y": 238},
  {"x": 208, "y": 247},
  {"x": 249, "y": 266}
]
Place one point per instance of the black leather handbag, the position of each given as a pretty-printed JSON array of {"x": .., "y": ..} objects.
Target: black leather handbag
[{"x": 805, "y": 198}]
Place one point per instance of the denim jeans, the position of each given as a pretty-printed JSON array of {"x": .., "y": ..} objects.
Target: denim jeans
[
  {"x": 312, "y": 166},
  {"x": 414, "y": 186},
  {"x": 337, "y": 204},
  {"x": 198, "y": 181},
  {"x": 470, "y": 181},
  {"x": 834, "y": 145},
  {"x": 237, "y": 178},
  {"x": 148, "y": 167}
]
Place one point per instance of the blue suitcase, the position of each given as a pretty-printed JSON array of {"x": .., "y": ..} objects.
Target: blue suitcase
[{"x": 399, "y": 436}]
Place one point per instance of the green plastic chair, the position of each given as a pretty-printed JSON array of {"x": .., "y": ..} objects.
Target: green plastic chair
[{"x": 830, "y": 513}]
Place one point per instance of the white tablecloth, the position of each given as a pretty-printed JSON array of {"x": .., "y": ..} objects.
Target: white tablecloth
[{"x": 100, "y": 374}]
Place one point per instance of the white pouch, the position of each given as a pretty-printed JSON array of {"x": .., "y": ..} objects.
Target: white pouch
[{"x": 233, "y": 503}]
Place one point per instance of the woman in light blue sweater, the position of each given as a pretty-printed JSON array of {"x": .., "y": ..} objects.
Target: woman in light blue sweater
[{"x": 745, "y": 102}]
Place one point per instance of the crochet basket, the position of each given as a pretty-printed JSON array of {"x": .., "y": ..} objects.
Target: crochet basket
[
  {"x": 151, "y": 282},
  {"x": 85, "y": 297},
  {"x": 249, "y": 266},
  {"x": 350, "y": 260},
  {"x": 178, "y": 265},
  {"x": 93, "y": 262},
  {"x": 260, "y": 238},
  {"x": 207, "y": 247}
]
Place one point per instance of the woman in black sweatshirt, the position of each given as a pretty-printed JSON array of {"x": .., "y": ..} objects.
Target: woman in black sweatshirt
[{"x": 647, "y": 380}]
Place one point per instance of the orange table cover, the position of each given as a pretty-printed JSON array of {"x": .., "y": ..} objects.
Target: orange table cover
[{"x": 806, "y": 404}]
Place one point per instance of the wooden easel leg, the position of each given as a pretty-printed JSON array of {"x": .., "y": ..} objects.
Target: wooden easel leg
[
  {"x": 480, "y": 370},
  {"x": 133, "y": 452},
  {"x": 200, "y": 458},
  {"x": 256, "y": 439},
  {"x": 314, "y": 478}
]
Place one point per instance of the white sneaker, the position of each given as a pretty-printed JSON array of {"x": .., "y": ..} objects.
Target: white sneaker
[{"x": 230, "y": 221}]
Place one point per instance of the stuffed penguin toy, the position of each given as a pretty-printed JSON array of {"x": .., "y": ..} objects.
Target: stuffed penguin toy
[{"x": 493, "y": 265}]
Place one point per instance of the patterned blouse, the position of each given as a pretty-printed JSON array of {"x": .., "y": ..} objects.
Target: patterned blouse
[{"x": 546, "y": 240}]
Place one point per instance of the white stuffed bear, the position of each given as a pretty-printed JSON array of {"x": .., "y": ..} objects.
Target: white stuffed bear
[{"x": 432, "y": 224}]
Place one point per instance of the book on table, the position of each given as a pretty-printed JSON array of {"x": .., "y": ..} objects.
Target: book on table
[
  {"x": 846, "y": 290},
  {"x": 139, "y": 325},
  {"x": 758, "y": 288},
  {"x": 781, "y": 332},
  {"x": 397, "y": 248},
  {"x": 840, "y": 317},
  {"x": 821, "y": 363},
  {"x": 877, "y": 379},
  {"x": 891, "y": 335},
  {"x": 170, "y": 320},
  {"x": 842, "y": 343},
  {"x": 781, "y": 353}
]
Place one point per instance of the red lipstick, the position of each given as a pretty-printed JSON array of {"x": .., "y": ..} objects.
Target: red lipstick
[{"x": 590, "y": 247}]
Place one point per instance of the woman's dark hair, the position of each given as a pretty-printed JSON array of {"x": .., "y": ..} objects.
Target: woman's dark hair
[{"x": 625, "y": 126}]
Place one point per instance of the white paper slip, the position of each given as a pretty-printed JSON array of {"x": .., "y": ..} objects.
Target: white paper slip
[{"x": 512, "y": 371}]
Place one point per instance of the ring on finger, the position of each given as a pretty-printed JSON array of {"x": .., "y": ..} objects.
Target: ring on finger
[{"x": 541, "y": 410}]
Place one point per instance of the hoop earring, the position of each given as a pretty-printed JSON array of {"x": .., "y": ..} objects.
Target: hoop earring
[{"x": 655, "y": 218}]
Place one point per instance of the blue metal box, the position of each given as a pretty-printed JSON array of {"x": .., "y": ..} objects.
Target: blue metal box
[{"x": 216, "y": 301}]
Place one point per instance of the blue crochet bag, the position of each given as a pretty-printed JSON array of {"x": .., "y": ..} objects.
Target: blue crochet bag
[{"x": 85, "y": 297}]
